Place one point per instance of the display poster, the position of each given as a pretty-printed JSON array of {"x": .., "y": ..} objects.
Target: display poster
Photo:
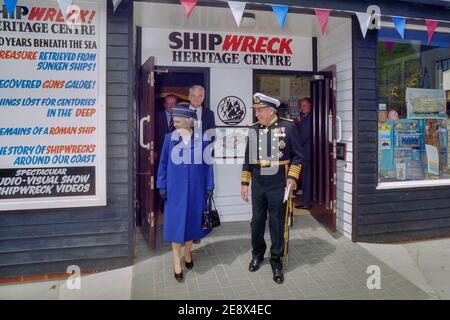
[
  {"x": 432, "y": 159},
  {"x": 52, "y": 105},
  {"x": 425, "y": 103}
]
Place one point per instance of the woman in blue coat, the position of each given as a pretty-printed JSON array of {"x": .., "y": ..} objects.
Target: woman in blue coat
[{"x": 185, "y": 182}]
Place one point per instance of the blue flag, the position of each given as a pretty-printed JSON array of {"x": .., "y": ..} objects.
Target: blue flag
[
  {"x": 400, "y": 25},
  {"x": 281, "y": 13},
  {"x": 10, "y": 5}
]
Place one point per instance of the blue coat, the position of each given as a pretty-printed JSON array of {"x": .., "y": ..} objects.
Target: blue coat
[{"x": 186, "y": 185}]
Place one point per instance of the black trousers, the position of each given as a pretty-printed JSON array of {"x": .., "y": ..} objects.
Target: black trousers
[
  {"x": 306, "y": 183},
  {"x": 267, "y": 198}
]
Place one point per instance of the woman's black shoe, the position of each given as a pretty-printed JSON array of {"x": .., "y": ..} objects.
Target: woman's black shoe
[
  {"x": 189, "y": 265},
  {"x": 178, "y": 276}
]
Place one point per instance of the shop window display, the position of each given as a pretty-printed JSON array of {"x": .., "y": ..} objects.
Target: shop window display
[{"x": 414, "y": 108}]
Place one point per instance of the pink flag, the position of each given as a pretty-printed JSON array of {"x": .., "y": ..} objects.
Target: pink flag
[
  {"x": 389, "y": 46},
  {"x": 323, "y": 15},
  {"x": 189, "y": 6},
  {"x": 431, "y": 25}
]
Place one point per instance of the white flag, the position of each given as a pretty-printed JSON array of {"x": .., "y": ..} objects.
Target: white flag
[
  {"x": 65, "y": 5},
  {"x": 364, "y": 21},
  {"x": 237, "y": 8},
  {"x": 116, "y": 4}
]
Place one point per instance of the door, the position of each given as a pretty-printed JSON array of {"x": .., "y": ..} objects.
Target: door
[
  {"x": 145, "y": 155},
  {"x": 324, "y": 149}
]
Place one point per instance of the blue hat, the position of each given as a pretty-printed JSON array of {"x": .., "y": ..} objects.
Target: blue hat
[{"x": 182, "y": 111}]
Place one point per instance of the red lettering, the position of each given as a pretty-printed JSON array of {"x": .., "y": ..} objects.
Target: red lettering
[
  {"x": 261, "y": 45},
  {"x": 248, "y": 44},
  {"x": 36, "y": 13},
  {"x": 232, "y": 41},
  {"x": 285, "y": 46},
  {"x": 59, "y": 17},
  {"x": 270, "y": 47},
  {"x": 50, "y": 14},
  {"x": 83, "y": 15}
]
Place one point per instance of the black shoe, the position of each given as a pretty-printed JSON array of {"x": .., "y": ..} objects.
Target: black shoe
[
  {"x": 189, "y": 265},
  {"x": 197, "y": 241},
  {"x": 254, "y": 264},
  {"x": 178, "y": 276},
  {"x": 300, "y": 206},
  {"x": 278, "y": 275}
]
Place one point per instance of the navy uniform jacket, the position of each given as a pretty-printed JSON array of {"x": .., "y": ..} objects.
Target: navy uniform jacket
[
  {"x": 305, "y": 132},
  {"x": 277, "y": 144}
]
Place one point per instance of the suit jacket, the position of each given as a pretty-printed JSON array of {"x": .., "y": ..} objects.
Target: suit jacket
[
  {"x": 208, "y": 120},
  {"x": 305, "y": 131},
  {"x": 162, "y": 128}
]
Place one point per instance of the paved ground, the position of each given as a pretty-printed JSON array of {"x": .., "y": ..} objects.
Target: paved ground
[{"x": 321, "y": 266}]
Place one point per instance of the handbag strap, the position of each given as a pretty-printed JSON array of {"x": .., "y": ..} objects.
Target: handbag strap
[{"x": 212, "y": 203}]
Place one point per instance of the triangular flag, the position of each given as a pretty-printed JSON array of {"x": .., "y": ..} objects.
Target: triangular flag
[
  {"x": 400, "y": 24},
  {"x": 389, "y": 46},
  {"x": 116, "y": 4},
  {"x": 431, "y": 26},
  {"x": 10, "y": 5},
  {"x": 65, "y": 5},
  {"x": 364, "y": 21},
  {"x": 281, "y": 13},
  {"x": 189, "y": 6},
  {"x": 237, "y": 8},
  {"x": 323, "y": 15}
]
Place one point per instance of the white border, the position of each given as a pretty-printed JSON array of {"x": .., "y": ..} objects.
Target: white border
[
  {"x": 100, "y": 169},
  {"x": 412, "y": 184}
]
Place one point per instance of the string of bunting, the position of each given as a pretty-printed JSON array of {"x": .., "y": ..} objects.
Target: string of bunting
[
  {"x": 237, "y": 9},
  {"x": 63, "y": 4}
]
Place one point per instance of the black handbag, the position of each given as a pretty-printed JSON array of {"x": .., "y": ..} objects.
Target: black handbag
[{"x": 210, "y": 216}]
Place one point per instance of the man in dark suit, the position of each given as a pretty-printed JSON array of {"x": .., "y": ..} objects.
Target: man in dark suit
[
  {"x": 164, "y": 122},
  {"x": 305, "y": 131},
  {"x": 206, "y": 122},
  {"x": 204, "y": 115}
]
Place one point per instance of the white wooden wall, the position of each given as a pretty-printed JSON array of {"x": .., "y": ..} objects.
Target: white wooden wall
[{"x": 336, "y": 48}]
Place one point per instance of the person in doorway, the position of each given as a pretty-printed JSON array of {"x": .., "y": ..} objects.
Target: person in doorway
[
  {"x": 273, "y": 164},
  {"x": 206, "y": 122},
  {"x": 305, "y": 133},
  {"x": 185, "y": 182},
  {"x": 205, "y": 116},
  {"x": 164, "y": 121}
]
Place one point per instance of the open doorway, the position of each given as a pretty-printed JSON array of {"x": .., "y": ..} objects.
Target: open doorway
[
  {"x": 156, "y": 83},
  {"x": 290, "y": 88}
]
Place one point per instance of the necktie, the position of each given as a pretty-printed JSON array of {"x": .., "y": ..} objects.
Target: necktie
[{"x": 171, "y": 127}]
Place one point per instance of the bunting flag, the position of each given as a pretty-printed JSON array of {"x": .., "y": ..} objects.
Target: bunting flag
[
  {"x": 65, "y": 5},
  {"x": 116, "y": 4},
  {"x": 364, "y": 21},
  {"x": 189, "y": 6},
  {"x": 389, "y": 46},
  {"x": 237, "y": 8},
  {"x": 10, "y": 5},
  {"x": 400, "y": 24},
  {"x": 281, "y": 13},
  {"x": 323, "y": 16},
  {"x": 431, "y": 26}
]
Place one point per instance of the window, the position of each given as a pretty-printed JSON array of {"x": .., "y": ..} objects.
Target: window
[{"x": 414, "y": 105}]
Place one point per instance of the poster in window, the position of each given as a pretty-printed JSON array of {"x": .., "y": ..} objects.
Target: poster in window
[{"x": 425, "y": 103}]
